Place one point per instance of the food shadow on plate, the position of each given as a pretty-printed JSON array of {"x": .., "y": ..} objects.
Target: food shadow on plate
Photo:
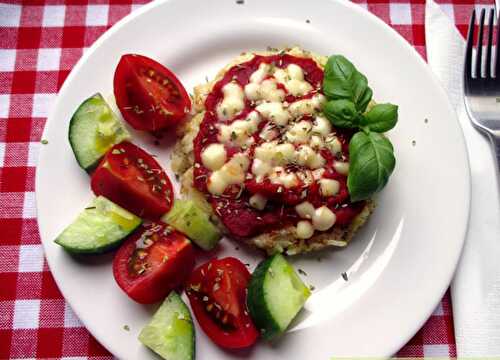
[
  {"x": 153, "y": 355},
  {"x": 230, "y": 247},
  {"x": 282, "y": 340},
  {"x": 240, "y": 353},
  {"x": 105, "y": 258},
  {"x": 162, "y": 140}
]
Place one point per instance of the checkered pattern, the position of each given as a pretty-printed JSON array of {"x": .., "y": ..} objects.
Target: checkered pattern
[{"x": 40, "y": 42}]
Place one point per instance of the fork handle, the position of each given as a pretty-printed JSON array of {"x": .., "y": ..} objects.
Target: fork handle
[{"x": 495, "y": 141}]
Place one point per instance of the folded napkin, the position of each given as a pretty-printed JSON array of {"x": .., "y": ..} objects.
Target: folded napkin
[{"x": 475, "y": 290}]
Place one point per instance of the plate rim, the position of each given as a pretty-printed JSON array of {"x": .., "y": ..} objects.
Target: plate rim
[{"x": 352, "y": 7}]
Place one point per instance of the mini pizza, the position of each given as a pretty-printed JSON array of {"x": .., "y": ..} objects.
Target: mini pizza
[{"x": 260, "y": 156}]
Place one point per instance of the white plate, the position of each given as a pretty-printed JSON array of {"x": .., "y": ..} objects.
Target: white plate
[{"x": 401, "y": 262}]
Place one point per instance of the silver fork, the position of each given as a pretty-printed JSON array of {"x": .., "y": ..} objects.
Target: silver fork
[{"x": 482, "y": 85}]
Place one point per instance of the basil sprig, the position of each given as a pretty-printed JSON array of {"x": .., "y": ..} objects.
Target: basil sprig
[
  {"x": 343, "y": 81},
  {"x": 371, "y": 153},
  {"x": 371, "y": 163}
]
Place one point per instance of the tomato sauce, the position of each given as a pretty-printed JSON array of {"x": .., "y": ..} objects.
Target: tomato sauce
[{"x": 233, "y": 207}]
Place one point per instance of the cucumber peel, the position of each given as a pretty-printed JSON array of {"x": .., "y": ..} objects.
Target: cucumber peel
[
  {"x": 93, "y": 130},
  {"x": 170, "y": 333},
  {"x": 187, "y": 217},
  {"x": 276, "y": 294},
  {"x": 100, "y": 227}
]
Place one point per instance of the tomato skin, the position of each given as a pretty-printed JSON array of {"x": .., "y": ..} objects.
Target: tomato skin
[
  {"x": 230, "y": 295},
  {"x": 149, "y": 96},
  {"x": 133, "y": 179},
  {"x": 170, "y": 257}
]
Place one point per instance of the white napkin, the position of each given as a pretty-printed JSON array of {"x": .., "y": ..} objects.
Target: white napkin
[{"x": 475, "y": 290}]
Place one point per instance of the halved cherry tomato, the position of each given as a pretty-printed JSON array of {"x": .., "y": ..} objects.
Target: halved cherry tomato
[
  {"x": 217, "y": 293},
  {"x": 154, "y": 260},
  {"x": 132, "y": 178},
  {"x": 149, "y": 96}
]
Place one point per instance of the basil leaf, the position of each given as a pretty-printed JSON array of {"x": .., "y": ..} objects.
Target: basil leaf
[
  {"x": 365, "y": 99},
  {"x": 371, "y": 163},
  {"x": 341, "y": 113},
  {"x": 381, "y": 117},
  {"x": 343, "y": 81}
]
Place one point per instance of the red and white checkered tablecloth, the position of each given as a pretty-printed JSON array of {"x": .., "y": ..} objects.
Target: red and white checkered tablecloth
[{"x": 40, "y": 42}]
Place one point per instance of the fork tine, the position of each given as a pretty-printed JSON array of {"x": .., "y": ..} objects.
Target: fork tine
[
  {"x": 479, "y": 58},
  {"x": 488, "y": 72},
  {"x": 470, "y": 45}
]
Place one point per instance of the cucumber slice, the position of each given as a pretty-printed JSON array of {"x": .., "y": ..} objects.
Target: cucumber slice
[
  {"x": 187, "y": 217},
  {"x": 275, "y": 296},
  {"x": 93, "y": 130},
  {"x": 100, "y": 227},
  {"x": 170, "y": 333}
]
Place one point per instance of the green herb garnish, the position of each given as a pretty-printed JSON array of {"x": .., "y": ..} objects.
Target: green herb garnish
[
  {"x": 371, "y": 154},
  {"x": 371, "y": 163}
]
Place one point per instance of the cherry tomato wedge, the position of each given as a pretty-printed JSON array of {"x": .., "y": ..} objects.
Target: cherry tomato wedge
[
  {"x": 133, "y": 179},
  {"x": 217, "y": 293},
  {"x": 154, "y": 260},
  {"x": 149, "y": 96}
]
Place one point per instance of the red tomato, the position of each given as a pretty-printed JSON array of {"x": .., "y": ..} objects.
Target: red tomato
[
  {"x": 149, "y": 95},
  {"x": 217, "y": 293},
  {"x": 132, "y": 178},
  {"x": 154, "y": 260}
]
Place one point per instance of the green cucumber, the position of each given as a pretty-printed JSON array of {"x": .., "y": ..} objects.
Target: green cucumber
[
  {"x": 93, "y": 130},
  {"x": 275, "y": 296},
  {"x": 100, "y": 227},
  {"x": 170, "y": 333},
  {"x": 187, "y": 217}
]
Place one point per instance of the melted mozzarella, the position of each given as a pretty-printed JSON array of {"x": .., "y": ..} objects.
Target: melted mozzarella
[
  {"x": 316, "y": 162},
  {"x": 260, "y": 88},
  {"x": 318, "y": 173},
  {"x": 266, "y": 151},
  {"x": 308, "y": 157},
  {"x": 240, "y": 131},
  {"x": 305, "y": 155},
  {"x": 299, "y": 132},
  {"x": 293, "y": 80},
  {"x": 306, "y": 177},
  {"x": 258, "y": 201},
  {"x": 269, "y": 159},
  {"x": 260, "y": 74},
  {"x": 323, "y": 218},
  {"x": 329, "y": 187},
  {"x": 341, "y": 167},
  {"x": 305, "y": 210},
  {"x": 269, "y": 132},
  {"x": 279, "y": 176},
  {"x": 307, "y": 106},
  {"x": 285, "y": 153},
  {"x": 316, "y": 142},
  {"x": 275, "y": 112},
  {"x": 214, "y": 156},
  {"x": 232, "y": 103},
  {"x": 216, "y": 183},
  {"x": 333, "y": 144},
  {"x": 267, "y": 91},
  {"x": 303, "y": 141},
  {"x": 252, "y": 91},
  {"x": 304, "y": 229},
  {"x": 232, "y": 173},
  {"x": 260, "y": 169},
  {"x": 322, "y": 126}
]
